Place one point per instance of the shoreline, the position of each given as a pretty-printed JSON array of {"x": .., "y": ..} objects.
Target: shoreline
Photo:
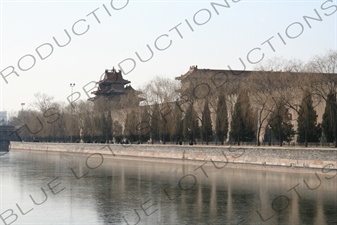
[{"x": 282, "y": 159}]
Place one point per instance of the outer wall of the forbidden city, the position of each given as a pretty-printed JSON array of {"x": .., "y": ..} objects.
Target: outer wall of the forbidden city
[{"x": 261, "y": 158}]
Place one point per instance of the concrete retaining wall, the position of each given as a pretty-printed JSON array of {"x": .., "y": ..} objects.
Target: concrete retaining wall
[{"x": 273, "y": 156}]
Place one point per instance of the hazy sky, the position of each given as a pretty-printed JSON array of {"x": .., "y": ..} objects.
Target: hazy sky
[{"x": 116, "y": 30}]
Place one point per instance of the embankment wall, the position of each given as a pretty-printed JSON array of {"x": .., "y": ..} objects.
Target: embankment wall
[{"x": 316, "y": 158}]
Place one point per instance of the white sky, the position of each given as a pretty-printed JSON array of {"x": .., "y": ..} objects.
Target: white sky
[{"x": 26, "y": 25}]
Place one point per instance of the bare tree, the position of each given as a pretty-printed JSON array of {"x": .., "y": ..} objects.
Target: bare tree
[
  {"x": 260, "y": 92},
  {"x": 160, "y": 90},
  {"x": 273, "y": 89},
  {"x": 43, "y": 101},
  {"x": 161, "y": 94},
  {"x": 324, "y": 69}
]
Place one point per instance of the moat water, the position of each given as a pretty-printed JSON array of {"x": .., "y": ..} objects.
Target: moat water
[{"x": 64, "y": 188}]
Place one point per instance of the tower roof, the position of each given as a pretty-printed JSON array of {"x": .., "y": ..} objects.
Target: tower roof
[
  {"x": 114, "y": 76},
  {"x": 113, "y": 86}
]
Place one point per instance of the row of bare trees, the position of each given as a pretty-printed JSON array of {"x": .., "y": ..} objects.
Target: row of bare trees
[
  {"x": 292, "y": 94},
  {"x": 51, "y": 121},
  {"x": 281, "y": 99},
  {"x": 278, "y": 101}
]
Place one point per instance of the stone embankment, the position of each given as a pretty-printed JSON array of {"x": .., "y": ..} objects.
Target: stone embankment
[{"x": 314, "y": 158}]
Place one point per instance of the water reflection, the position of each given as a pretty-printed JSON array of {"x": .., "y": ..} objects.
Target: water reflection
[{"x": 121, "y": 191}]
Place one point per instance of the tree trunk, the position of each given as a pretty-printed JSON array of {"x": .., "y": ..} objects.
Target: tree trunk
[
  {"x": 280, "y": 133},
  {"x": 334, "y": 122},
  {"x": 335, "y": 134},
  {"x": 306, "y": 136},
  {"x": 239, "y": 133},
  {"x": 239, "y": 138},
  {"x": 258, "y": 136}
]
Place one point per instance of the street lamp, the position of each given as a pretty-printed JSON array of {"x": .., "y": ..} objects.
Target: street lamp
[
  {"x": 23, "y": 117},
  {"x": 71, "y": 105},
  {"x": 22, "y": 104},
  {"x": 72, "y": 86}
]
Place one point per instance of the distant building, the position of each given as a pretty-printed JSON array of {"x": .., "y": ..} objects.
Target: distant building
[
  {"x": 3, "y": 118},
  {"x": 197, "y": 84},
  {"x": 203, "y": 79},
  {"x": 7, "y": 133}
]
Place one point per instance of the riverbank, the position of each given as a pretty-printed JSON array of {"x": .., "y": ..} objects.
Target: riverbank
[{"x": 264, "y": 158}]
